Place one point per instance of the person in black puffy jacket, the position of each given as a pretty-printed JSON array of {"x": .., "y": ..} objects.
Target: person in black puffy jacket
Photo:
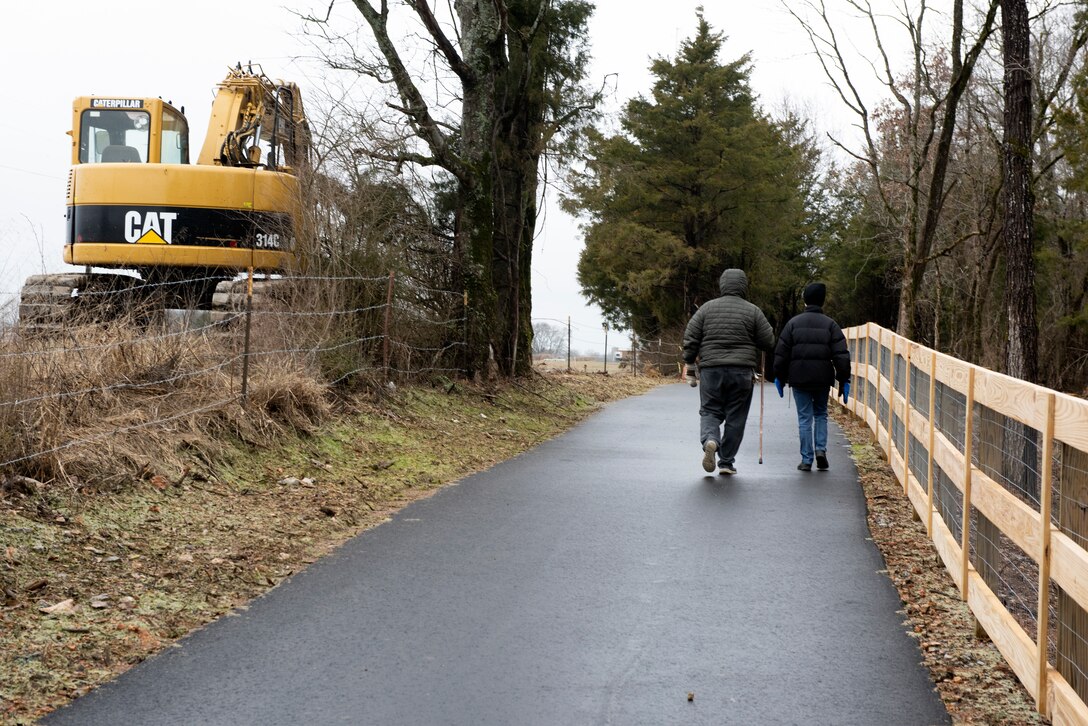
[
  {"x": 810, "y": 356},
  {"x": 725, "y": 336}
]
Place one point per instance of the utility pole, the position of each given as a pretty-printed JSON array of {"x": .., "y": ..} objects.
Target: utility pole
[
  {"x": 605, "y": 326},
  {"x": 568, "y": 344}
]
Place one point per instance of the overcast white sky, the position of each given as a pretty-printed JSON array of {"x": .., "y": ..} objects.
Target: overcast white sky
[{"x": 54, "y": 51}]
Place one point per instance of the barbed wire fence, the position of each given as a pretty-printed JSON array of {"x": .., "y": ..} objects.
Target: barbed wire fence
[{"x": 87, "y": 390}]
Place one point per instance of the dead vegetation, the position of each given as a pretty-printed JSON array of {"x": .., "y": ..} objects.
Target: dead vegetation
[{"x": 98, "y": 403}]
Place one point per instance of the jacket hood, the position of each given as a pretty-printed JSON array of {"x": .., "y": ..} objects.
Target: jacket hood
[
  {"x": 815, "y": 293},
  {"x": 734, "y": 282}
]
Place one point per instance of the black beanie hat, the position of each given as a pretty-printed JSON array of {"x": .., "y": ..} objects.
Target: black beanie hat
[{"x": 814, "y": 293}]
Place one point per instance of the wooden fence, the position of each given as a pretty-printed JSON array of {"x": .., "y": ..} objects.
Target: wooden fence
[{"x": 997, "y": 469}]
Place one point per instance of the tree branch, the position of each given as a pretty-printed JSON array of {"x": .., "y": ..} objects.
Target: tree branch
[
  {"x": 415, "y": 107},
  {"x": 457, "y": 64}
]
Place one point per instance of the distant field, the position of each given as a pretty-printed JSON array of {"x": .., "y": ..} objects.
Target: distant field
[{"x": 585, "y": 365}]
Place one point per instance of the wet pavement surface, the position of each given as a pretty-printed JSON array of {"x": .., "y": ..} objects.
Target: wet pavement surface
[{"x": 600, "y": 578}]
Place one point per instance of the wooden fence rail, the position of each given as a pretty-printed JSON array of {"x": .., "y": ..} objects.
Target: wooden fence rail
[{"x": 997, "y": 469}]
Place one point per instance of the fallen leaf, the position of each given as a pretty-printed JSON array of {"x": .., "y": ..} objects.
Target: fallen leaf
[{"x": 64, "y": 607}]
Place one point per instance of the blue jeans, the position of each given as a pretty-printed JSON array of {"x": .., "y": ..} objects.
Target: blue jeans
[
  {"x": 811, "y": 421},
  {"x": 725, "y": 395}
]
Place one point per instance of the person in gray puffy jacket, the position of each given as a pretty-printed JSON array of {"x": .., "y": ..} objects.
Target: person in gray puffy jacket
[{"x": 722, "y": 345}]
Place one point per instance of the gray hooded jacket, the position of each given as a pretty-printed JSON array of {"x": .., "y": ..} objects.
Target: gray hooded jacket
[{"x": 728, "y": 330}]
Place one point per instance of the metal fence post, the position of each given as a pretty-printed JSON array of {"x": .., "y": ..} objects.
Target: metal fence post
[{"x": 249, "y": 325}]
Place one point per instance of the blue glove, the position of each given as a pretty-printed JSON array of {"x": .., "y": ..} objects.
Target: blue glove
[
  {"x": 844, "y": 391},
  {"x": 778, "y": 385}
]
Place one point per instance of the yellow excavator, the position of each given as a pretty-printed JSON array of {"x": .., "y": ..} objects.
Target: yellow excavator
[{"x": 135, "y": 202}]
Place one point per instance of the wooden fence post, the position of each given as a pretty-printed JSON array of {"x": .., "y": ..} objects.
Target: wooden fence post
[
  {"x": 932, "y": 432},
  {"x": 385, "y": 327},
  {"x": 865, "y": 385},
  {"x": 968, "y": 434},
  {"x": 906, "y": 424},
  {"x": 1045, "y": 493},
  {"x": 891, "y": 396},
  {"x": 857, "y": 379}
]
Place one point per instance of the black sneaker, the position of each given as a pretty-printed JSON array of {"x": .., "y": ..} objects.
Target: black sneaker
[
  {"x": 727, "y": 469},
  {"x": 710, "y": 448},
  {"x": 821, "y": 460},
  {"x": 804, "y": 467}
]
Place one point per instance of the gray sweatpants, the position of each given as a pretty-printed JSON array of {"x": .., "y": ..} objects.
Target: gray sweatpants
[{"x": 725, "y": 395}]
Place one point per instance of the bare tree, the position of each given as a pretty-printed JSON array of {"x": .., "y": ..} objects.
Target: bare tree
[
  {"x": 514, "y": 67},
  {"x": 913, "y": 191},
  {"x": 549, "y": 339}
]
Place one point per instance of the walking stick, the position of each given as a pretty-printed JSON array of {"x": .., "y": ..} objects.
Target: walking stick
[{"x": 761, "y": 377}]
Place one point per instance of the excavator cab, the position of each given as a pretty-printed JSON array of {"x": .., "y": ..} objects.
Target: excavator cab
[{"x": 128, "y": 130}]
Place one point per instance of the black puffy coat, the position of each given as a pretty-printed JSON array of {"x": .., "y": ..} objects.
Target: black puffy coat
[
  {"x": 811, "y": 351},
  {"x": 728, "y": 330}
]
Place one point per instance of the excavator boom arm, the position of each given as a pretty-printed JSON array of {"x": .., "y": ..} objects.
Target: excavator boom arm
[{"x": 256, "y": 121}]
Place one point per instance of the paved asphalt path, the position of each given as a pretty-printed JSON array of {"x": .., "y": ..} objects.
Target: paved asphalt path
[{"x": 597, "y": 579}]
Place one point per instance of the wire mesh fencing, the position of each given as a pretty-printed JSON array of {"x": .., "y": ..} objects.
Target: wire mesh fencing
[{"x": 998, "y": 470}]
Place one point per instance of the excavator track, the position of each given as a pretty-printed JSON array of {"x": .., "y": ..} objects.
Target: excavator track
[
  {"x": 51, "y": 302},
  {"x": 229, "y": 300}
]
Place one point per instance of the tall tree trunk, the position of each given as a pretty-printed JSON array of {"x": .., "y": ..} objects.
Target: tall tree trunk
[
  {"x": 1021, "y": 358},
  {"x": 519, "y": 120},
  {"x": 912, "y": 276},
  {"x": 476, "y": 213}
]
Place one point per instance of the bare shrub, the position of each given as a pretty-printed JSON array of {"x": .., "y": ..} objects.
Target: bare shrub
[{"x": 289, "y": 397}]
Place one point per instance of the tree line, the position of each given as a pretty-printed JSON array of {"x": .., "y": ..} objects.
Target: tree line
[{"x": 956, "y": 215}]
